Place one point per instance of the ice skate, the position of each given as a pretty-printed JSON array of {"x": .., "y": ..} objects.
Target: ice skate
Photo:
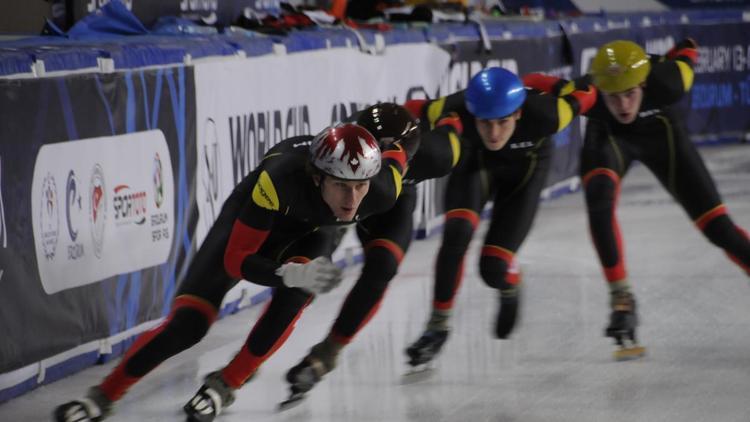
[
  {"x": 422, "y": 353},
  {"x": 622, "y": 326},
  {"x": 92, "y": 408},
  {"x": 303, "y": 376},
  {"x": 213, "y": 396},
  {"x": 507, "y": 315}
]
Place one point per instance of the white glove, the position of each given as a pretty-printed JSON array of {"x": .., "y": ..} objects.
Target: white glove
[{"x": 317, "y": 276}]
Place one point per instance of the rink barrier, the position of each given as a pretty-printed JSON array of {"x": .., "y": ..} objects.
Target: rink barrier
[{"x": 59, "y": 90}]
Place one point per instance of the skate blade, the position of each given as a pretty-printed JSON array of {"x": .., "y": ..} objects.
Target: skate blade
[
  {"x": 293, "y": 401},
  {"x": 629, "y": 353},
  {"x": 417, "y": 374}
]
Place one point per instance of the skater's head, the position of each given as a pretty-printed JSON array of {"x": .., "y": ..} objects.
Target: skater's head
[
  {"x": 619, "y": 70},
  {"x": 343, "y": 159},
  {"x": 389, "y": 123},
  {"x": 494, "y": 97}
]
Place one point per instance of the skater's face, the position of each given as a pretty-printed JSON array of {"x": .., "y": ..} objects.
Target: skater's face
[
  {"x": 624, "y": 105},
  {"x": 343, "y": 196},
  {"x": 495, "y": 133}
]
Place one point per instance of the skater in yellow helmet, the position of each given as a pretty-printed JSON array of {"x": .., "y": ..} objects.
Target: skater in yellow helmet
[{"x": 634, "y": 119}]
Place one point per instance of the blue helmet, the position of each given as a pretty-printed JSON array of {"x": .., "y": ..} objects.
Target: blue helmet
[{"x": 494, "y": 93}]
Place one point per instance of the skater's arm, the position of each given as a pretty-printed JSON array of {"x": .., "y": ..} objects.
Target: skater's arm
[
  {"x": 250, "y": 231},
  {"x": 439, "y": 150},
  {"x": 544, "y": 114},
  {"x": 672, "y": 75}
]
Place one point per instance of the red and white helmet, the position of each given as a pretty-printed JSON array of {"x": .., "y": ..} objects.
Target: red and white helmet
[{"x": 346, "y": 151}]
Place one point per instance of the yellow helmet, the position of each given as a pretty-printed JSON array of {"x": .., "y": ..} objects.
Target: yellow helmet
[{"x": 619, "y": 66}]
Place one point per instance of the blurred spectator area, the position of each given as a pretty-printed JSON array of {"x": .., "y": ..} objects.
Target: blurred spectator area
[{"x": 23, "y": 16}]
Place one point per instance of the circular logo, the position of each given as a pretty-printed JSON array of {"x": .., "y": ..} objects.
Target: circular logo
[
  {"x": 98, "y": 208},
  {"x": 72, "y": 204},
  {"x": 158, "y": 182},
  {"x": 49, "y": 218}
]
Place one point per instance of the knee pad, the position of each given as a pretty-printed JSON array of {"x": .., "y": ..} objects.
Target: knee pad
[
  {"x": 381, "y": 265},
  {"x": 601, "y": 190},
  {"x": 457, "y": 236},
  {"x": 499, "y": 268}
]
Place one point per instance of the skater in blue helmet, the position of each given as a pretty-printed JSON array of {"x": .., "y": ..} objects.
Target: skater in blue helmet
[{"x": 506, "y": 155}]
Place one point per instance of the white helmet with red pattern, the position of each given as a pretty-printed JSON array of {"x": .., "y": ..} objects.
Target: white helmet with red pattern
[{"x": 346, "y": 151}]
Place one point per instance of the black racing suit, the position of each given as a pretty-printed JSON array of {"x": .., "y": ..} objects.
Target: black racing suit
[
  {"x": 512, "y": 177},
  {"x": 386, "y": 237},
  {"x": 658, "y": 139},
  {"x": 274, "y": 215}
]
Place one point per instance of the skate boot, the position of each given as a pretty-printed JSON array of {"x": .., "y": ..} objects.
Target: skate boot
[
  {"x": 92, "y": 408},
  {"x": 213, "y": 396},
  {"x": 303, "y": 376},
  {"x": 426, "y": 347},
  {"x": 507, "y": 314},
  {"x": 622, "y": 324}
]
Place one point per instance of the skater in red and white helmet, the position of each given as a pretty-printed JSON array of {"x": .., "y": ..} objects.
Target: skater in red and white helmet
[{"x": 278, "y": 228}]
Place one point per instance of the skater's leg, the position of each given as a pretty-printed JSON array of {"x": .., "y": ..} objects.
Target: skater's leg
[
  {"x": 514, "y": 208},
  {"x": 385, "y": 238},
  {"x": 679, "y": 167},
  {"x": 193, "y": 311},
  {"x": 604, "y": 162},
  {"x": 269, "y": 332}
]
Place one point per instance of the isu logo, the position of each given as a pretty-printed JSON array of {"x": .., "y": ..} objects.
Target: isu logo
[
  {"x": 98, "y": 208},
  {"x": 49, "y": 217}
]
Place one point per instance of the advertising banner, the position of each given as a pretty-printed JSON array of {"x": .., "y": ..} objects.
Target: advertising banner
[
  {"x": 92, "y": 199},
  {"x": 96, "y": 219},
  {"x": 247, "y": 106}
]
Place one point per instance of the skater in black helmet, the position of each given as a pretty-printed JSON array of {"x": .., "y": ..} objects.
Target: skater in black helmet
[
  {"x": 633, "y": 120},
  {"x": 507, "y": 129},
  {"x": 278, "y": 229},
  {"x": 385, "y": 237}
]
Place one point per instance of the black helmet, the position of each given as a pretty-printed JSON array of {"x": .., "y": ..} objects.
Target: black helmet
[{"x": 388, "y": 123}]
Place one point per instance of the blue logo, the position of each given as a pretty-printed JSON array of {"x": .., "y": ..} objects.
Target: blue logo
[{"x": 72, "y": 200}]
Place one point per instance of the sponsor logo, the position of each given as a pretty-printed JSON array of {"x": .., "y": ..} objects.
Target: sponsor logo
[
  {"x": 106, "y": 213},
  {"x": 158, "y": 182},
  {"x": 522, "y": 144},
  {"x": 49, "y": 218},
  {"x": 159, "y": 227},
  {"x": 129, "y": 206},
  {"x": 647, "y": 113},
  {"x": 97, "y": 208},
  {"x": 73, "y": 211},
  {"x": 264, "y": 193},
  {"x": 211, "y": 160},
  {"x": 252, "y": 134}
]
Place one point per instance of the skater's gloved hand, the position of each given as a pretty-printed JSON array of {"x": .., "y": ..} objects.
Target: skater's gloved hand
[{"x": 317, "y": 276}]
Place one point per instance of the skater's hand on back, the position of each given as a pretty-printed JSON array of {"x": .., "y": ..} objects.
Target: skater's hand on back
[{"x": 317, "y": 276}]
